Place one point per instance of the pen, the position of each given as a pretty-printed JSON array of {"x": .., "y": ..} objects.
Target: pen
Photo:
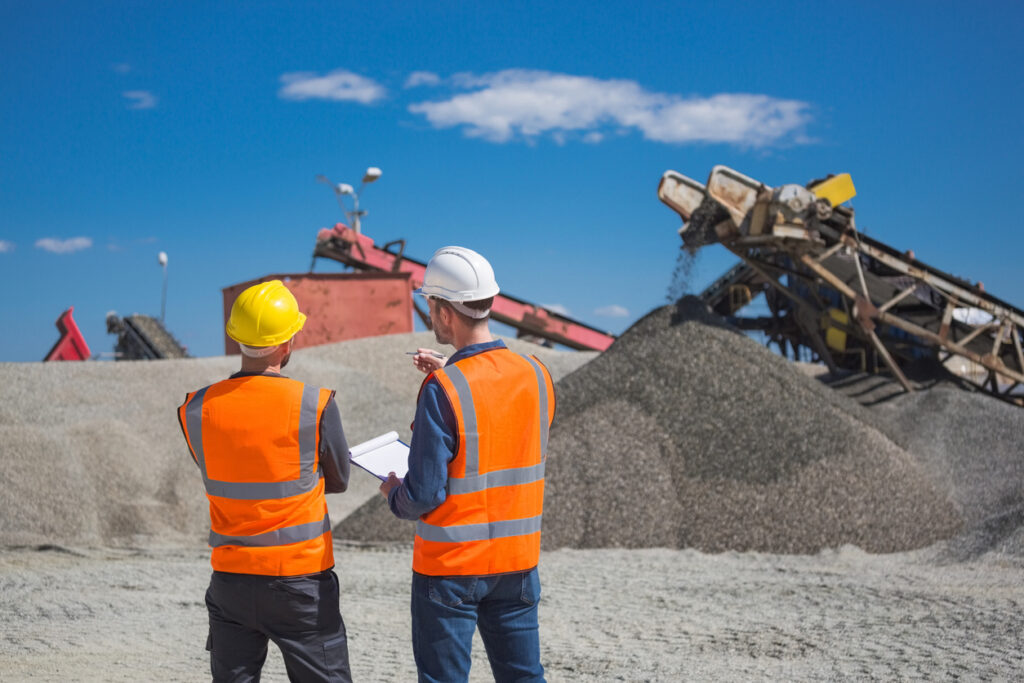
[{"x": 435, "y": 355}]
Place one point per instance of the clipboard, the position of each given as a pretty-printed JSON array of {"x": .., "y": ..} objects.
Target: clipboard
[{"x": 381, "y": 455}]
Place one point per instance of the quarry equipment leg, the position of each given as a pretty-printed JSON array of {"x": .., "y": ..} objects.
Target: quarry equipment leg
[
  {"x": 863, "y": 317},
  {"x": 805, "y": 312},
  {"x": 1017, "y": 348}
]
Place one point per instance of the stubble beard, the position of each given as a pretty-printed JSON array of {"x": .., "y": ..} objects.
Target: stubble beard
[{"x": 442, "y": 335}]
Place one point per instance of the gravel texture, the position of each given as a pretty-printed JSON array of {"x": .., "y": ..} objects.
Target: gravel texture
[
  {"x": 93, "y": 455},
  {"x": 967, "y": 441},
  {"x": 972, "y": 444},
  {"x": 605, "y": 615},
  {"x": 686, "y": 433},
  {"x": 683, "y": 434}
]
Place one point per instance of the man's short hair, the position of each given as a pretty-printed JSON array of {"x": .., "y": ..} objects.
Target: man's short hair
[
  {"x": 479, "y": 306},
  {"x": 257, "y": 351}
]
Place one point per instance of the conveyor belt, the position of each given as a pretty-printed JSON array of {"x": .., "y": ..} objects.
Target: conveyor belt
[
  {"x": 822, "y": 274},
  {"x": 140, "y": 337}
]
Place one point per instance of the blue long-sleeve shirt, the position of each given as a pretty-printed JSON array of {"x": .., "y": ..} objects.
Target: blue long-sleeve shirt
[{"x": 435, "y": 440}]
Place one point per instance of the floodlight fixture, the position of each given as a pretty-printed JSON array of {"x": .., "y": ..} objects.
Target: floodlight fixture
[
  {"x": 344, "y": 189},
  {"x": 161, "y": 258}
]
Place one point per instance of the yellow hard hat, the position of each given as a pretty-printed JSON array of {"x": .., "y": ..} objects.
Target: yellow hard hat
[{"x": 266, "y": 314}]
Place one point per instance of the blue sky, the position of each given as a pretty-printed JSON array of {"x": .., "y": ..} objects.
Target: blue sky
[{"x": 533, "y": 132}]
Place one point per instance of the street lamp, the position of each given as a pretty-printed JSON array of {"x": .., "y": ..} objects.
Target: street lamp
[
  {"x": 162, "y": 260},
  {"x": 344, "y": 189}
]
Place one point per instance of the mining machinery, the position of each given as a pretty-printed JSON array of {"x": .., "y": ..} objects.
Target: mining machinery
[
  {"x": 531, "y": 321},
  {"x": 856, "y": 303},
  {"x": 141, "y": 337}
]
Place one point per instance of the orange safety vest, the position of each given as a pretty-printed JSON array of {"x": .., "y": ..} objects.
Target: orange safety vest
[
  {"x": 489, "y": 522},
  {"x": 256, "y": 442}
]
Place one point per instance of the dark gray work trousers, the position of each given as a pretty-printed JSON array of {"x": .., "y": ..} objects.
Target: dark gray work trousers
[{"x": 301, "y": 614}]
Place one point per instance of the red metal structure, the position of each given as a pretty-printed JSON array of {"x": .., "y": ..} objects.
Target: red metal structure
[
  {"x": 339, "y": 306},
  {"x": 71, "y": 345},
  {"x": 358, "y": 251}
]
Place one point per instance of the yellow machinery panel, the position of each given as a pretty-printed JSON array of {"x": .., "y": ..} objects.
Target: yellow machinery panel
[
  {"x": 835, "y": 337},
  {"x": 837, "y": 189}
]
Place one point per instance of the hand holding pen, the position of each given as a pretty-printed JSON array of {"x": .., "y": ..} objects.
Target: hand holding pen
[{"x": 427, "y": 360}]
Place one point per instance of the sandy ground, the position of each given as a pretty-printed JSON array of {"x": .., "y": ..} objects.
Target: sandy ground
[
  {"x": 103, "y": 565},
  {"x": 606, "y": 615}
]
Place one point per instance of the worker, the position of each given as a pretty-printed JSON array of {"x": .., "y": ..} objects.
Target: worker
[
  {"x": 268, "y": 448},
  {"x": 475, "y": 483}
]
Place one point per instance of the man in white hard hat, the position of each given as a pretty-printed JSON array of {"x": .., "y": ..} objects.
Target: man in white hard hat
[{"x": 475, "y": 484}]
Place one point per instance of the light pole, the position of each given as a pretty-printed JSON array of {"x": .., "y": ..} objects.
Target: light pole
[
  {"x": 342, "y": 189},
  {"x": 162, "y": 260}
]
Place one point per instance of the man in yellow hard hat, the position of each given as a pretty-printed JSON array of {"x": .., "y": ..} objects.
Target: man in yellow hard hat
[
  {"x": 268, "y": 449},
  {"x": 475, "y": 484}
]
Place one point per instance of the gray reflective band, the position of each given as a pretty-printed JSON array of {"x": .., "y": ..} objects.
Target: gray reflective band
[
  {"x": 542, "y": 392},
  {"x": 307, "y": 429},
  {"x": 477, "y": 532},
  {"x": 471, "y": 437},
  {"x": 285, "y": 536},
  {"x": 473, "y": 481},
  {"x": 194, "y": 422},
  {"x": 489, "y": 480},
  {"x": 261, "y": 490}
]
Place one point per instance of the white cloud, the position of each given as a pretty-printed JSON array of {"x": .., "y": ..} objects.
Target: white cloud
[
  {"x": 612, "y": 311},
  {"x": 519, "y": 103},
  {"x": 418, "y": 78},
  {"x": 122, "y": 68},
  {"x": 67, "y": 246},
  {"x": 140, "y": 99},
  {"x": 6, "y": 246},
  {"x": 338, "y": 85},
  {"x": 557, "y": 308}
]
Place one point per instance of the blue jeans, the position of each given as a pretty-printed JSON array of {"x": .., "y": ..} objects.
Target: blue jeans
[{"x": 447, "y": 609}]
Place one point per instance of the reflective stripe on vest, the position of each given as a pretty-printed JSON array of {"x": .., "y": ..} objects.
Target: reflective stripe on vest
[
  {"x": 478, "y": 532},
  {"x": 474, "y": 482},
  {"x": 234, "y": 490},
  {"x": 305, "y": 482},
  {"x": 285, "y": 536}
]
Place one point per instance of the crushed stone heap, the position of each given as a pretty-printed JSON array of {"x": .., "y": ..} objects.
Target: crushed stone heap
[
  {"x": 686, "y": 433},
  {"x": 91, "y": 453},
  {"x": 971, "y": 443}
]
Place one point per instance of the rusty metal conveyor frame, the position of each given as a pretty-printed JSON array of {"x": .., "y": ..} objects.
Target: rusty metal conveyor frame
[{"x": 819, "y": 245}]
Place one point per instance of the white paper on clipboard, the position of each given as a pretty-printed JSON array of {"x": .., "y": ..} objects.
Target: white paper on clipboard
[{"x": 382, "y": 454}]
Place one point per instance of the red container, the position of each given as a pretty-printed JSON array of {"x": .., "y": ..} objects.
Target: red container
[
  {"x": 71, "y": 345},
  {"x": 339, "y": 306}
]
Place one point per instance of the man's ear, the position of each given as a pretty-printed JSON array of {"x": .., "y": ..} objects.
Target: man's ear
[{"x": 445, "y": 312}]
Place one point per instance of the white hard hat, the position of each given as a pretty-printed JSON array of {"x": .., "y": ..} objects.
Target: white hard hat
[{"x": 458, "y": 274}]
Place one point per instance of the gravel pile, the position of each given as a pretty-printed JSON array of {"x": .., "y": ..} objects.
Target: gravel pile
[
  {"x": 92, "y": 454},
  {"x": 966, "y": 440},
  {"x": 972, "y": 444},
  {"x": 686, "y": 433}
]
